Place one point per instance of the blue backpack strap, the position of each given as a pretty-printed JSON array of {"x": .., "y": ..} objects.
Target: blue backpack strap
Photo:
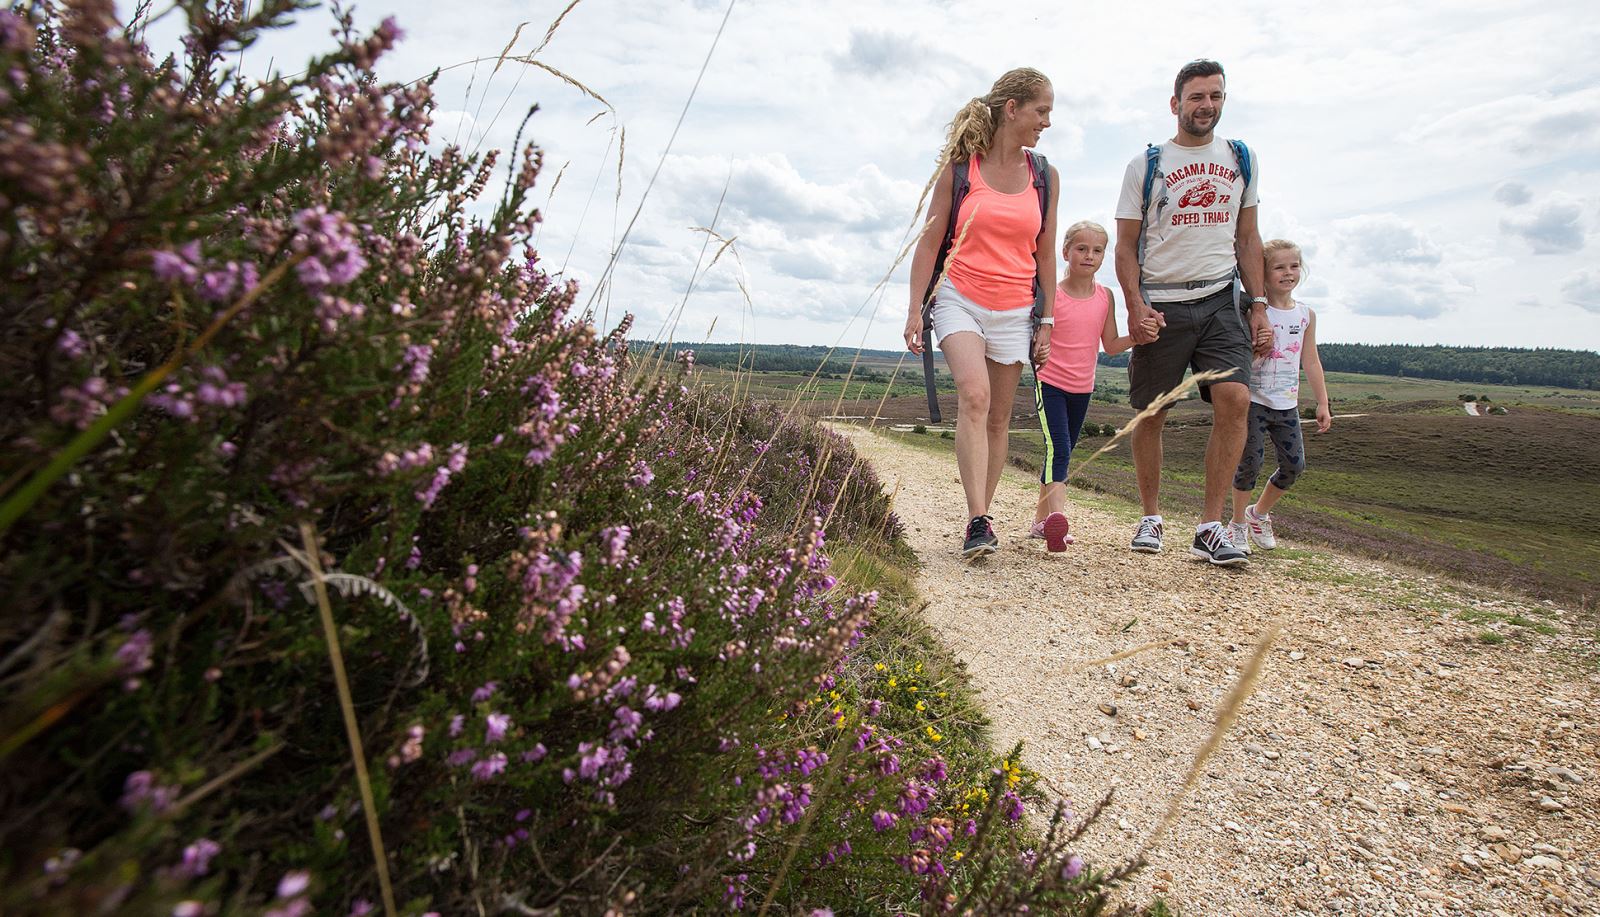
[
  {"x": 960, "y": 186},
  {"x": 1152, "y": 165},
  {"x": 1241, "y": 154},
  {"x": 1041, "y": 184}
]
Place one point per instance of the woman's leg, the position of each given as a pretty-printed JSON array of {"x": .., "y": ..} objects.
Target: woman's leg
[
  {"x": 963, "y": 353},
  {"x": 1003, "y": 380}
]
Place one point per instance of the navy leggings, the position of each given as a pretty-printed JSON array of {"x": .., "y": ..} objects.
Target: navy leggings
[
  {"x": 1061, "y": 418},
  {"x": 1284, "y": 429}
]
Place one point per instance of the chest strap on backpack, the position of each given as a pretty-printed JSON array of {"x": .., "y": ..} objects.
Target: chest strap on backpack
[{"x": 960, "y": 186}]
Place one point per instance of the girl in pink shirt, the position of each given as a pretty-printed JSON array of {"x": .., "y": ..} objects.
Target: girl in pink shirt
[{"x": 1084, "y": 322}]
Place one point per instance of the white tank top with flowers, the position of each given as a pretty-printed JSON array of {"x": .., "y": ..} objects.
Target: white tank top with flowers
[{"x": 1275, "y": 378}]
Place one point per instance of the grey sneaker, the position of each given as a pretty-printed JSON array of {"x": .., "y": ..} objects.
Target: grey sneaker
[
  {"x": 1147, "y": 538},
  {"x": 1212, "y": 545},
  {"x": 980, "y": 537},
  {"x": 1239, "y": 534},
  {"x": 1260, "y": 528}
]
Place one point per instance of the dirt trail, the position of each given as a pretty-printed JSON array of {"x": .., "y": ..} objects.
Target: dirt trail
[{"x": 1391, "y": 761}]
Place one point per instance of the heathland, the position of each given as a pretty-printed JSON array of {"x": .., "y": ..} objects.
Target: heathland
[{"x": 1509, "y": 496}]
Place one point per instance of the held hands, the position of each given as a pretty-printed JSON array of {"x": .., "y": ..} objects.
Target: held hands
[
  {"x": 1324, "y": 418},
  {"x": 1145, "y": 324},
  {"x": 1041, "y": 344},
  {"x": 1260, "y": 332},
  {"x": 913, "y": 332}
]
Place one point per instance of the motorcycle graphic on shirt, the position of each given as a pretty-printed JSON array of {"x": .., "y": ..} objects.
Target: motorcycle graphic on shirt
[
  {"x": 1201, "y": 195},
  {"x": 1205, "y": 193}
]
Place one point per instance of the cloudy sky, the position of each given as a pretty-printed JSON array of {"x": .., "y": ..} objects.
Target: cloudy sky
[{"x": 1437, "y": 161}]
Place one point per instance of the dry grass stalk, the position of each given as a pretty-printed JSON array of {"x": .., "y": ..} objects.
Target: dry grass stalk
[
  {"x": 550, "y": 32},
  {"x": 1161, "y": 403},
  {"x": 1226, "y": 716},
  {"x": 358, "y": 756},
  {"x": 507, "y": 49}
]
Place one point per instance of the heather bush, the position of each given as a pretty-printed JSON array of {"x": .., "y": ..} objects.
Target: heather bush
[{"x": 275, "y": 362}]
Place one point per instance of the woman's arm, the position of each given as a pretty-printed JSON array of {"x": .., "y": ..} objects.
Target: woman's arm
[
  {"x": 926, "y": 252},
  {"x": 1312, "y": 362}
]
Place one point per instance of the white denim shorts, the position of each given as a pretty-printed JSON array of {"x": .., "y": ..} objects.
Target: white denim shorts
[{"x": 1007, "y": 335}]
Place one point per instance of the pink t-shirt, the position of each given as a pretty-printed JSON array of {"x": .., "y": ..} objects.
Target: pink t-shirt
[
  {"x": 1075, "y": 341},
  {"x": 994, "y": 266}
]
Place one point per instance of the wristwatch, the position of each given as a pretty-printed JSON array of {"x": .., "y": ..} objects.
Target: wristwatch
[
  {"x": 1259, "y": 299},
  {"x": 1047, "y": 319}
]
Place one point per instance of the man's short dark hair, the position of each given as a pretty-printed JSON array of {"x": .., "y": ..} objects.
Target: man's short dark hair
[{"x": 1193, "y": 70}]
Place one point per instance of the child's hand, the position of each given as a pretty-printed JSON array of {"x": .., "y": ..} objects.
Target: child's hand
[
  {"x": 1324, "y": 418},
  {"x": 1041, "y": 345},
  {"x": 1152, "y": 328}
]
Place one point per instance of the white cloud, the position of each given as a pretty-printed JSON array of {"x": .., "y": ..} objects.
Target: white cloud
[
  {"x": 1542, "y": 125},
  {"x": 1513, "y": 193},
  {"x": 1556, "y": 227},
  {"x": 1582, "y": 289},
  {"x": 1384, "y": 238}
]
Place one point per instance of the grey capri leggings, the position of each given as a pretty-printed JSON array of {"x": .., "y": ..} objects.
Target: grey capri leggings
[{"x": 1284, "y": 428}]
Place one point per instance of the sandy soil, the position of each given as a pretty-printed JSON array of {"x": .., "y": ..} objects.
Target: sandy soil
[{"x": 1390, "y": 762}]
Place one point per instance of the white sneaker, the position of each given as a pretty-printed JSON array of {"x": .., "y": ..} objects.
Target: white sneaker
[
  {"x": 1260, "y": 528},
  {"x": 1239, "y": 534}
]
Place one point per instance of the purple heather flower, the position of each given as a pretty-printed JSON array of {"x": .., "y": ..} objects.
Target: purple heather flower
[
  {"x": 457, "y": 723},
  {"x": 495, "y": 726},
  {"x": 189, "y": 908},
  {"x": 462, "y": 756},
  {"x": 489, "y": 767},
  {"x": 360, "y": 907},
  {"x": 293, "y": 883},
  {"x": 883, "y": 821},
  {"x": 141, "y": 789},
  {"x": 1013, "y": 804},
  {"x": 197, "y": 858},
  {"x": 1073, "y": 868},
  {"x": 535, "y": 754},
  {"x": 485, "y": 692}
]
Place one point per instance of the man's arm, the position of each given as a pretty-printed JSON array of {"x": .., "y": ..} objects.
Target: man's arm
[
  {"x": 1127, "y": 260},
  {"x": 1252, "y": 272}
]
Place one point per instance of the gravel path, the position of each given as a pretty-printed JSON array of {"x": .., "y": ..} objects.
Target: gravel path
[{"x": 1393, "y": 759}]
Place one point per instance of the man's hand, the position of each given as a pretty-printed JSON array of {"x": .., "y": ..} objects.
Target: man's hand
[
  {"x": 914, "y": 332},
  {"x": 1324, "y": 418},
  {"x": 1144, "y": 323},
  {"x": 1041, "y": 344},
  {"x": 1260, "y": 332}
]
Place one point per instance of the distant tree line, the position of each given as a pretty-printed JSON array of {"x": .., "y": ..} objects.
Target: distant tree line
[{"x": 1493, "y": 365}]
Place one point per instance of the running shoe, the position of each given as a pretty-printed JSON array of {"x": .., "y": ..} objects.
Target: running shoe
[
  {"x": 1260, "y": 528},
  {"x": 1239, "y": 534},
  {"x": 980, "y": 537},
  {"x": 1147, "y": 539},
  {"x": 1055, "y": 532},
  {"x": 1211, "y": 544},
  {"x": 1037, "y": 531}
]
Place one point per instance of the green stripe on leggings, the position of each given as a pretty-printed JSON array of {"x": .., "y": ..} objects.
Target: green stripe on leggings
[{"x": 1044, "y": 426}]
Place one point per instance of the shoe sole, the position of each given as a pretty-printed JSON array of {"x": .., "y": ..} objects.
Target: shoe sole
[
  {"x": 1144, "y": 549},
  {"x": 1233, "y": 562},
  {"x": 980, "y": 551},
  {"x": 1056, "y": 527}
]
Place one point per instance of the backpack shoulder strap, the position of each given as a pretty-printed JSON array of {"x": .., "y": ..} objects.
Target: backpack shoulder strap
[
  {"x": 1241, "y": 155},
  {"x": 1041, "y": 184},
  {"x": 1152, "y": 165},
  {"x": 960, "y": 186}
]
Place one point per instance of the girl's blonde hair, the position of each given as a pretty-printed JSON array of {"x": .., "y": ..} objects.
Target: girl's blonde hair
[
  {"x": 1080, "y": 226},
  {"x": 972, "y": 129},
  {"x": 1280, "y": 245}
]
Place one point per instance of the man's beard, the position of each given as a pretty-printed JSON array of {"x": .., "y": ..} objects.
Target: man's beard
[{"x": 1191, "y": 126}]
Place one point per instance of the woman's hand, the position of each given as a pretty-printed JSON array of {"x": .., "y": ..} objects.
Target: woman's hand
[{"x": 914, "y": 332}]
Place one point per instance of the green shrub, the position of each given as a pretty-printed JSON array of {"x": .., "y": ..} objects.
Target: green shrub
[{"x": 919, "y": 428}]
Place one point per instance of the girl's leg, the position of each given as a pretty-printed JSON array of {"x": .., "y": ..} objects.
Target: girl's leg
[
  {"x": 1255, "y": 444},
  {"x": 1055, "y": 423},
  {"x": 1003, "y": 380},
  {"x": 1075, "y": 405},
  {"x": 963, "y": 353},
  {"x": 1287, "y": 442}
]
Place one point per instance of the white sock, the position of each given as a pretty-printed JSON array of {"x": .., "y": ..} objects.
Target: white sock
[
  {"x": 1156, "y": 518},
  {"x": 1204, "y": 526}
]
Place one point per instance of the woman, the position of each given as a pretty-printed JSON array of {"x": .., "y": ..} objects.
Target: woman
[{"x": 1004, "y": 254}]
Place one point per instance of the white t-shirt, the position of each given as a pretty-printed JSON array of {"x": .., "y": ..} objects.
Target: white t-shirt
[
  {"x": 1193, "y": 211},
  {"x": 1275, "y": 378}
]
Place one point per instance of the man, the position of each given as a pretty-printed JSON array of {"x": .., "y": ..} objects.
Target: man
[{"x": 1199, "y": 233}]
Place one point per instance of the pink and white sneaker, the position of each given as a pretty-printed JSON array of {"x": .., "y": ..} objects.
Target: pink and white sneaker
[{"x": 1054, "y": 528}]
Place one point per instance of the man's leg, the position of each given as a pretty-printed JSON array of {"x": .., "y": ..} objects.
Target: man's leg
[
  {"x": 1003, "y": 379},
  {"x": 963, "y": 353},
  {"x": 1230, "y": 405},
  {"x": 1146, "y": 440}
]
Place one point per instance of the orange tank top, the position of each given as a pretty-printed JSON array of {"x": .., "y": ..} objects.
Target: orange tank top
[{"x": 994, "y": 266}]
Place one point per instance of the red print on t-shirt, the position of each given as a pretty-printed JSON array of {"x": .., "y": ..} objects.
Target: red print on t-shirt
[{"x": 1201, "y": 195}]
